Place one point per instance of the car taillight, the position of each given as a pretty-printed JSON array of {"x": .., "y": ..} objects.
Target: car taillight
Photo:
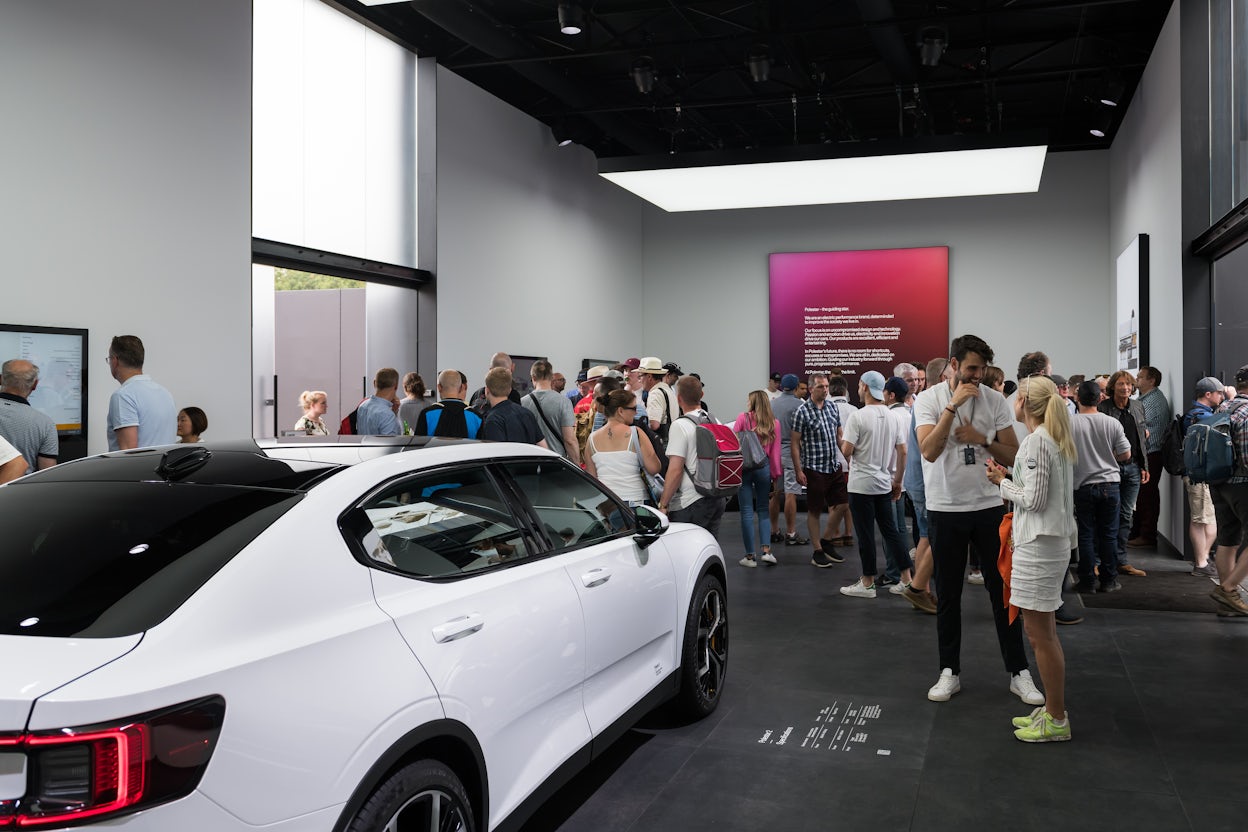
[{"x": 77, "y": 775}]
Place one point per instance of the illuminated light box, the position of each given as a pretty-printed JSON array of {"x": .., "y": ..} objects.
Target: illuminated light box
[{"x": 702, "y": 182}]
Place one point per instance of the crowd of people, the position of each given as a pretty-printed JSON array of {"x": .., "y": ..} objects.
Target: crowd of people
[{"x": 934, "y": 457}]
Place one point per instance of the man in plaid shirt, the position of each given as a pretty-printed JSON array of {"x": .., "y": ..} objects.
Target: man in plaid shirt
[
  {"x": 1230, "y": 506},
  {"x": 1156, "y": 420},
  {"x": 813, "y": 441}
]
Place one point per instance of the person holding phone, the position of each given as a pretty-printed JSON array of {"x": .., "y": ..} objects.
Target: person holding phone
[
  {"x": 959, "y": 425},
  {"x": 1042, "y": 491}
]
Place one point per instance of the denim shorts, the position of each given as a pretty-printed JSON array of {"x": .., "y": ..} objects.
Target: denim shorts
[{"x": 919, "y": 500}]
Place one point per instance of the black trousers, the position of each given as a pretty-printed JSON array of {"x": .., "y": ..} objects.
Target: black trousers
[{"x": 951, "y": 532}]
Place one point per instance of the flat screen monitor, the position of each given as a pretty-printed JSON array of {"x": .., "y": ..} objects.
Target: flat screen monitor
[{"x": 60, "y": 354}]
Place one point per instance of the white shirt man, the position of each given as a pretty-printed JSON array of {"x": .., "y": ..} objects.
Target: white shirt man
[{"x": 960, "y": 424}]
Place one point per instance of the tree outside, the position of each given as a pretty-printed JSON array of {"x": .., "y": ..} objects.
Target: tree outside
[{"x": 290, "y": 280}]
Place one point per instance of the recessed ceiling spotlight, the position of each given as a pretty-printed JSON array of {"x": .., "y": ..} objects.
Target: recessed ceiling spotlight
[
  {"x": 1114, "y": 89},
  {"x": 1104, "y": 122},
  {"x": 571, "y": 17}
]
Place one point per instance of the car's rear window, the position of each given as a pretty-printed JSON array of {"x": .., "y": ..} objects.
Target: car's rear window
[{"x": 106, "y": 559}]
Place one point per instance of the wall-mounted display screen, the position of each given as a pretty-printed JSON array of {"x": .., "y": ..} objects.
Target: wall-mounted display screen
[
  {"x": 858, "y": 310},
  {"x": 60, "y": 354}
]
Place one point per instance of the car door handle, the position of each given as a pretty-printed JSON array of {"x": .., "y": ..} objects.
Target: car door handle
[
  {"x": 456, "y": 628},
  {"x": 596, "y": 577}
]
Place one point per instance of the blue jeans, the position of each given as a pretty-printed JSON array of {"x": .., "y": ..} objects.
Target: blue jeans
[
  {"x": 892, "y": 569},
  {"x": 1096, "y": 513},
  {"x": 1128, "y": 492},
  {"x": 867, "y": 510},
  {"x": 752, "y": 499}
]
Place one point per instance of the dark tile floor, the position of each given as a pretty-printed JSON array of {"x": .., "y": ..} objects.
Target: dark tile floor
[{"x": 1156, "y": 699}]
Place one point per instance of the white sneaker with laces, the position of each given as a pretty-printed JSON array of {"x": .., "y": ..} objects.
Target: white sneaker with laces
[
  {"x": 857, "y": 590},
  {"x": 946, "y": 686},
  {"x": 1025, "y": 689},
  {"x": 976, "y": 578},
  {"x": 748, "y": 562},
  {"x": 768, "y": 557},
  {"x": 897, "y": 588}
]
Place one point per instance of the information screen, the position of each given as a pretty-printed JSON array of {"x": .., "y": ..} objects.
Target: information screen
[
  {"x": 59, "y": 355},
  {"x": 858, "y": 310}
]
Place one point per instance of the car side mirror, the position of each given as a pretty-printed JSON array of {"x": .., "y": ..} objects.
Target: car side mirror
[{"x": 651, "y": 524}]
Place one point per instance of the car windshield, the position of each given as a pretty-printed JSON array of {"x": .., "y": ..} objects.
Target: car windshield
[{"x": 107, "y": 559}]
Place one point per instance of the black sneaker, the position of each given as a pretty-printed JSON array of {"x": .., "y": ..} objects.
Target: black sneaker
[
  {"x": 1065, "y": 616},
  {"x": 823, "y": 560},
  {"x": 776, "y": 537},
  {"x": 1086, "y": 585},
  {"x": 794, "y": 540},
  {"x": 884, "y": 580},
  {"x": 1112, "y": 586}
]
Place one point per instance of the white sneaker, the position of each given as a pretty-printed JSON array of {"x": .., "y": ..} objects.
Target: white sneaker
[
  {"x": 1025, "y": 689},
  {"x": 897, "y": 588},
  {"x": 857, "y": 590},
  {"x": 946, "y": 686},
  {"x": 768, "y": 557},
  {"x": 747, "y": 561},
  {"x": 976, "y": 578}
]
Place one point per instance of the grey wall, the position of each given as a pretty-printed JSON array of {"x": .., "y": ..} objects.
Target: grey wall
[
  {"x": 536, "y": 254},
  {"x": 126, "y": 200},
  {"x": 320, "y": 346},
  {"x": 1145, "y": 181},
  {"x": 1027, "y": 272}
]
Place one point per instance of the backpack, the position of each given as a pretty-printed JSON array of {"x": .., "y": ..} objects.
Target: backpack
[
  {"x": 1172, "y": 447},
  {"x": 643, "y": 424},
  {"x": 350, "y": 423},
  {"x": 753, "y": 456},
  {"x": 1209, "y": 451},
  {"x": 665, "y": 423},
  {"x": 718, "y": 468}
]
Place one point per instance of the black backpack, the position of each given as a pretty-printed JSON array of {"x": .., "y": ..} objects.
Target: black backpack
[{"x": 1172, "y": 446}]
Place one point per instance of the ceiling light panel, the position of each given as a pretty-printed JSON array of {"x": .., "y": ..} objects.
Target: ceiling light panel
[{"x": 934, "y": 175}]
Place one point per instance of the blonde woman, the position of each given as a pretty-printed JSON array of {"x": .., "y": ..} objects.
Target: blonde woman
[
  {"x": 756, "y": 484},
  {"x": 314, "y": 404},
  {"x": 1042, "y": 490},
  {"x": 617, "y": 451}
]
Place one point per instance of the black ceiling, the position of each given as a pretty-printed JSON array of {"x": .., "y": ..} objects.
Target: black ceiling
[{"x": 845, "y": 71}]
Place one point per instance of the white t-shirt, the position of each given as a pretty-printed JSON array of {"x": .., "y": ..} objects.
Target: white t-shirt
[
  {"x": 655, "y": 403},
  {"x": 950, "y": 483},
  {"x": 682, "y": 442},
  {"x": 7, "y": 452},
  {"x": 901, "y": 414},
  {"x": 772, "y": 395},
  {"x": 875, "y": 435}
]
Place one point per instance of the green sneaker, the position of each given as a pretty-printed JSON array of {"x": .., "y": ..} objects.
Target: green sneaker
[
  {"x": 1027, "y": 721},
  {"x": 1044, "y": 729}
]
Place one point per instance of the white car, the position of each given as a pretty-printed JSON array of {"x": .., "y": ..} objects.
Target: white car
[{"x": 316, "y": 636}]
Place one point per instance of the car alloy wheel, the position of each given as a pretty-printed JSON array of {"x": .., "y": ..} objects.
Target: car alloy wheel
[
  {"x": 425, "y": 796},
  {"x": 706, "y": 648}
]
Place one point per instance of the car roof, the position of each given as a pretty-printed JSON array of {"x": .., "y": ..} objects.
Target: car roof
[{"x": 289, "y": 463}]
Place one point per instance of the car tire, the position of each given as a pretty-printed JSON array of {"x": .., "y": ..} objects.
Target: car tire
[
  {"x": 422, "y": 795},
  {"x": 704, "y": 662}
]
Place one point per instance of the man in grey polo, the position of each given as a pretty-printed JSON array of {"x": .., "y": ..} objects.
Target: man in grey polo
[
  {"x": 140, "y": 412},
  {"x": 33, "y": 433},
  {"x": 786, "y": 488}
]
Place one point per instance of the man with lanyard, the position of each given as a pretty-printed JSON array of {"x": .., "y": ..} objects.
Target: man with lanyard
[
  {"x": 960, "y": 426},
  {"x": 1119, "y": 404},
  {"x": 1203, "y": 528},
  {"x": 1230, "y": 504},
  {"x": 813, "y": 447}
]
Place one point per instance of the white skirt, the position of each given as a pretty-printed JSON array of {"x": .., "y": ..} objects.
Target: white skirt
[{"x": 1039, "y": 568}]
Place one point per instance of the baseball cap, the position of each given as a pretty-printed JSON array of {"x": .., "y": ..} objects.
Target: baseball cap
[
  {"x": 1059, "y": 381},
  {"x": 581, "y": 376},
  {"x": 776, "y": 377},
  {"x": 673, "y": 367},
  {"x": 1241, "y": 375},
  {"x": 788, "y": 382},
  {"x": 615, "y": 374},
  {"x": 898, "y": 387},
  {"x": 875, "y": 383},
  {"x": 632, "y": 363},
  {"x": 1209, "y": 384}
]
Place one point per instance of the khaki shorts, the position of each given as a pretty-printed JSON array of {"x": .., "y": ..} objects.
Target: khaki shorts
[
  {"x": 1199, "y": 502},
  {"x": 788, "y": 477}
]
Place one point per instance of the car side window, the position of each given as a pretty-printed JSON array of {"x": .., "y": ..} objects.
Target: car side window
[
  {"x": 572, "y": 507},
  {"x": 440, "y": 525}
]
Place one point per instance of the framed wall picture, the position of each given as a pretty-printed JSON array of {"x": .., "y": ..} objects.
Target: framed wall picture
[
  {"x": 521, "y": 377},
  {"x": 1131, "y": 306}
]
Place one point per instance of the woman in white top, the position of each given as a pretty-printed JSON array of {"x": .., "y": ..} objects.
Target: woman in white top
[
  {"x": 1042, "y": 490},
  {"x": 314, "y": 404},
  {"x": 617, "y": 451}
]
